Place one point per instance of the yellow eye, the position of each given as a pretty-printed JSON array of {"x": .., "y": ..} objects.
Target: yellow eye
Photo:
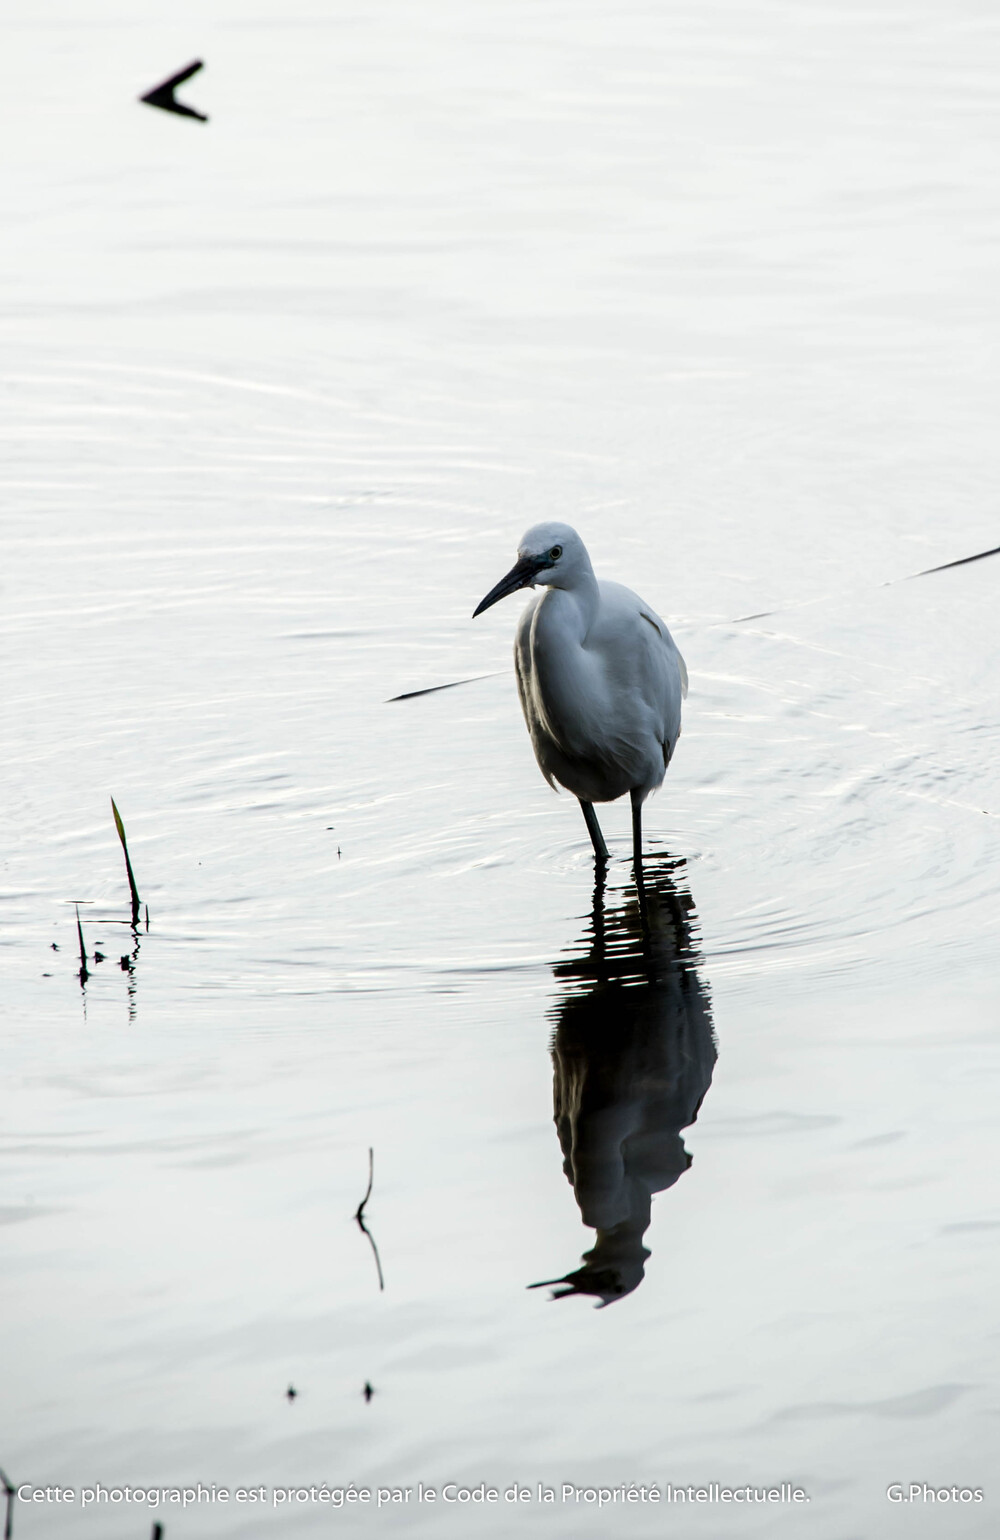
[{"x": 555, "y": 553}]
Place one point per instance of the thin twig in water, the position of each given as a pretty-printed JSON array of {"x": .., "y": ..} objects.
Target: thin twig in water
[
  {"x": 8, "y": 1528},
  {"x": 359, "y": 1217},
  {"x": 128, "y": 867},
  {"x": 371, "y": 1178}
]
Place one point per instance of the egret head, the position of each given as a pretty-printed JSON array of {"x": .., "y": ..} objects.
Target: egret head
[{"x": 551, "y": 555}]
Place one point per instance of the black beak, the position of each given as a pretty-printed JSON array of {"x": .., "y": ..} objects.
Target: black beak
[{"x": 519, "y": 576}]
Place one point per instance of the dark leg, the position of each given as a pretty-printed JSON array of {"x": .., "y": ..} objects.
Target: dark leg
[
  {"x": 594, "y": 830},
  {"x": 637, "y": 829}
]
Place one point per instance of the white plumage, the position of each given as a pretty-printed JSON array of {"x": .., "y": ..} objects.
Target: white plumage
[{"x": 599, "y": 676}]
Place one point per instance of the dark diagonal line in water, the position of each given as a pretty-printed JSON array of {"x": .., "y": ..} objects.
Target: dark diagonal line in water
[
  {"x": 360, "y": 1218},
  {"x": 963, "y": 561},
  {"x": 432, "y": 689},
  {"x": 781, "y": 609},
  {"x": 739, "y": 620}
]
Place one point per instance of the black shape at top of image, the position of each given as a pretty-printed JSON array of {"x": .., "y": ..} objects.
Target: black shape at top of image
[{"x": 163, "y": 94}]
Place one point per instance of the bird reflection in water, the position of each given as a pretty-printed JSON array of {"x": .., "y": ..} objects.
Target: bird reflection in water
[{"x": 633, "y": 1053}]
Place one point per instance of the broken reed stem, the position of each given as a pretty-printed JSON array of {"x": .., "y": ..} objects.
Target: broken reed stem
[
  {"x": 128, "y": 867},
  {"x": 84, "y": 972}
]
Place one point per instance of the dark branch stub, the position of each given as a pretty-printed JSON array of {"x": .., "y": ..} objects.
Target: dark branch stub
[{"x": 10, "y": 1492}]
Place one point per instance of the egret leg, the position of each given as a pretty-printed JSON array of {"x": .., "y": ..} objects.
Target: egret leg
[
  {"x": 594, "y": 830},
  {"x": 636, "y": 828}
]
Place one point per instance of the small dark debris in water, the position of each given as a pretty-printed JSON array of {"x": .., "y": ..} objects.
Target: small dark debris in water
[
  {"x": 54, "y": 947},
  {"x": 124, "y": 963},
  {"x": 98, "y": 956},
  {"x": 330, "y": 826},
  {"x": 291, "y": 1392},
  {"x": 368, "y": 1391},
  {"x": 338, "y": 852},
  {"x": 46, "y": 975},
  {"x": 162, "y": 96}
]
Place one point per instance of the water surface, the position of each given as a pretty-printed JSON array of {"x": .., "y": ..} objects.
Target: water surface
[{"x": 280, "y": 392}]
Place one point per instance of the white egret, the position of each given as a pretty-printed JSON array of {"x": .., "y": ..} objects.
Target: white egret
[{"x": 599, "y": 676}]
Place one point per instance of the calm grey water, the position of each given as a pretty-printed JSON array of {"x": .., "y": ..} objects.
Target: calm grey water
[{"x": 717, "y": 284}]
